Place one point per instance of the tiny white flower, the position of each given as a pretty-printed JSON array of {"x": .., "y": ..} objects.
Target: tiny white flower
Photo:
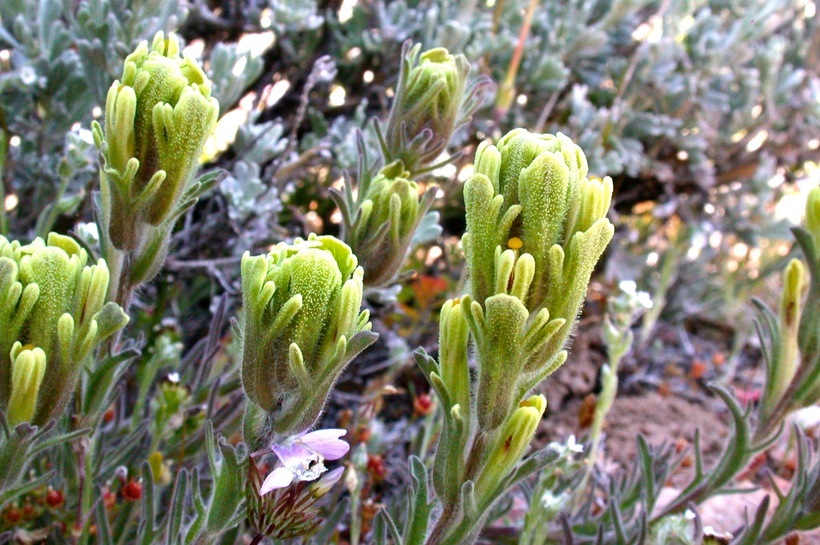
[
  {"x": 644, "y": 300},
  {"x": 28, "y": 75},
  {"x": 86, "y": 136},
  {"x": 629, "y": 287},
  {"x": 550, "y": 500},
  {"x": 89, "y": 230},
  {"x": 572, "y": 446}
]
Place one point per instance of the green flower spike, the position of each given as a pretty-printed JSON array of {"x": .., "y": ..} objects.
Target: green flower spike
[
  {"x": 381, "y": 233},
  {"x": 432, "y": 102},
  {"x": 157, "y": 118},
  {"x": 53, "y": 316},
  {"x": 530, "y": 193},
  {"x": 809, "y": 330},
  {"x": 453, "y": 337},
  {"x": 303, "y": 324}
]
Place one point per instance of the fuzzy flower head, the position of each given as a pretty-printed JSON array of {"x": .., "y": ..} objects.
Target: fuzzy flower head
[
  {"x": 303, "y": 324},
  {"x": 433, "y": 100},
  {"x": 302, "y": 457},
  {"x": 157, "y": 118},
  {"x": 54, "y": 315},
  {"x": 388, "y": 218}
]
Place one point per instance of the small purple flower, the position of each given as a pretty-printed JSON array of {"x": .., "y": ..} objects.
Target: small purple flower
[{"x": 302, "y": 457}]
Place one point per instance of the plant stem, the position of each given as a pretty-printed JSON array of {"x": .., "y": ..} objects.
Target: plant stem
[
  {"x": 471, "y": 471},
  {"x": 51, "y": 218},
  {"x": 499, "y": 9},
  {"x": 507, "y": 89},
  {"x": 4, "y": 220},
  {"x": 473, "y": 465},
  {"x": 443, "y": 522}
]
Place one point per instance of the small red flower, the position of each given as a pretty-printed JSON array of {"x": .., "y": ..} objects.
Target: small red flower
[
  {"x": 109, "y": 499},
  {"x": 747, "y": 395},
  {"x": 698, "y": 369},
  {"x": 28, "y": 511}
]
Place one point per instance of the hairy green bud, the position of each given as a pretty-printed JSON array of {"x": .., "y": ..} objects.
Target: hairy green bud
[
  {"x": 786, "y": 363},
  {"x": 303, "y": 324},
  {"x": 388, "y": 218},
  {"x": 157, "y": 119},
  {"x": 55, "y": 302},
  {"x": 813, "y": 215},
  {"x": 432, "y": 102},
  {"x": 506, "y": 338},
  {"x": 510, "y": 445},
  {"x": 28, "y": 366},
  {"x": 453, "y": 337}
]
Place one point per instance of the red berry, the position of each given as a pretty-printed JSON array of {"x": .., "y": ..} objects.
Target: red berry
[
  {"x": 12, "y": 516},
  {"x": 362, "y": 434},
  {"x": 132, "y": 491},
  {"x": 55, "y": 499}
]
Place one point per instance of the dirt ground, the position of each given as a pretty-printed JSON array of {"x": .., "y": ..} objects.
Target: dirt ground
[{"x": 663, "y": 396}]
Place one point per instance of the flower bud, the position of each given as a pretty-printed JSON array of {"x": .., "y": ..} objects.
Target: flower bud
[
  {"x": 157, "y": 119},
  {"x": 783, "y": 370},
  {"x": 390, "y": 214},
  {"x": 453, "y": 336},
  {"x": 506, "y": 337},
  {"x": 54, "y": 301},
  {"x": 303, "y": 324},
  {"x": 813, "y": 215},
  {"x": 510, "y": 445},
  {"x": 432, "y": 102},
  {"x": 27, "y": 369}
]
